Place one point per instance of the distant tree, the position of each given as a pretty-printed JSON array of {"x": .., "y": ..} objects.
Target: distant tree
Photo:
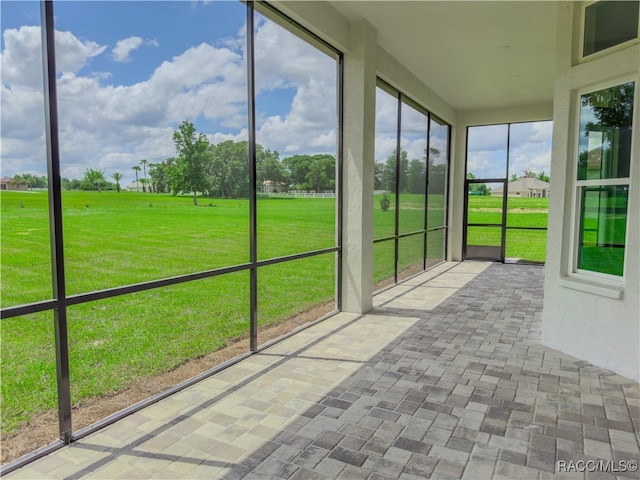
[
  {"x": 144, "y": 182},
  {"x": 143, "y": 162},
  {"x": 30, "y": 180},
  {"x": 117, "y": 176},
  {"x": 530, "y": 173},
  {"x": 311, "y": 172},
  {"x": 227, "y": 169},
  {"x": 417, "y": 176},
  {"x": 544, "y": 177},
  {"x": 477, "y": 188},
  {"x": 612, "y": 107},
  {"x": 391, "y": 169},
  {"x": 437, "y": 178},
  {"x": 321, "y": 175},
  {"x": 377, "y": 176},
  {"x": 269, "y": 168},
  {"x": 513, "y": 178},
  {"x": 160, "y": 174},
  {"x": 136, "y": 169},
  {"x": 298, "y": 167},
  {"x": 93, "y": 179},
  {"x": 189, "y": 173},
  {"x": 385, "y": 202},
  {"x": 70, "y": 184},
  {"x": 437, "y": 174}
]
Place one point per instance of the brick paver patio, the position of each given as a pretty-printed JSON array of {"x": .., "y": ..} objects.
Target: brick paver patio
[{"x": 445, "y": 378}]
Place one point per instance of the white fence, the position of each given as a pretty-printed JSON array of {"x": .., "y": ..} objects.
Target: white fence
[{"x": 299, "y": 195}]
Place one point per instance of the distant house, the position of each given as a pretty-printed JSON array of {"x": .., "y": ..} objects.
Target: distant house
[
  {"x": 135, "y": 187},
  {"x": 268, "y": 186},
  {"x": 525, "y": 187},
  {"x": 7, "y": 183}
]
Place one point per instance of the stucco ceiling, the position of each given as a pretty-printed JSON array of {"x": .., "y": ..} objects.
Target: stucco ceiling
[{"x": 474, "y": 54}]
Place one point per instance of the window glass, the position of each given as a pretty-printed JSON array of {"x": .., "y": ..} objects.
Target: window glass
[
  {"x": 413, "y": 169},
  {"x": 410, "y": 256},
  {"x": 603, "y": 178},
  {"x": 487, "y": 151},
  {"x": 609, "y": 23},
  {"x": 132, "y": 341},
  {"x": 411, "y": 162},
  {"x": 384, "y": 187},
  {"x": 605, "y": 133},
  {"x": 435, "y": 247},
  {"x": 296, "y": 121},
  {"x": 384, "y": 266},
  {"x": 293, "y": 293},
  {"x": 437, "y": 174},
  {"x": 603, "y": 222},
  {"x": 24, "y": 201},
  {"x": 152, "y": 140},
  {"x": 28, "y": 371}
]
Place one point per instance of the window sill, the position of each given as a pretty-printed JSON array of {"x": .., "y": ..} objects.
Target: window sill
[{"x": 595, "y": 288}]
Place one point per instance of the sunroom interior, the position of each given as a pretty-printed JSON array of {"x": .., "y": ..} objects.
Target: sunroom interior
[{"x": 447, "y": 67}]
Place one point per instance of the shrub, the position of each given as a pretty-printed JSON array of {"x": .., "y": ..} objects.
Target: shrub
[{"x": 385, "y": 202}]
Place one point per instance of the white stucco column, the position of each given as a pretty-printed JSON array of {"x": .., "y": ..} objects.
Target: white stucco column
[{"x": 358, "y": 155}]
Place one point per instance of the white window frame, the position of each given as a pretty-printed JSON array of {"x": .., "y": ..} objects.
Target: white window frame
[
  {"x": 592, "y": 277},
  {"x": 607, "y": 51}
]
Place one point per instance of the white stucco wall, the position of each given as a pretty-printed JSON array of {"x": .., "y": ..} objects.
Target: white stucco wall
[{"x": 580, "y": 317}]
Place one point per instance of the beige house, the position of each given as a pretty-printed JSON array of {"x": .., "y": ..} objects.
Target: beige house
[
  {"x": 525, "y": 187},
  {"x": 7, "y": 183},
  {"x": 269, "y": 186}
]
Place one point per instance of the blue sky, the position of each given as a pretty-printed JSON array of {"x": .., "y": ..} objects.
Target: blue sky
[{"x": 130, "y": 72}]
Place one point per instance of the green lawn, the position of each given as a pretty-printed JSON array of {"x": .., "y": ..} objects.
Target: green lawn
[
  {"x": 523, "y": 213},
  {"x": 117, "y": 239}
]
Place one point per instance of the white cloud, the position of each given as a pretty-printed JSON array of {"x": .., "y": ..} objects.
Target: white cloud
[
  {"x": 530, "y": 148},
  {"x": 111, "y": 126},
  {"x": 283, "y": 61},
  {"x": 73, "y": 54},
  {"x": 218, "y": 137},
  {"x": 415, "y": 147},
  {"x": 385, "y": 145},
  {"x": 123, "y": 48},
  {"x": 386, "y": 114}
]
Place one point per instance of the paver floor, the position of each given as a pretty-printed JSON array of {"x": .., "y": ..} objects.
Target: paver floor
[{"x": 445, "y": 378}]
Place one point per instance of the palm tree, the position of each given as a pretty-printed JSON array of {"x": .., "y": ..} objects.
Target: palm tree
[
  {"x": 136, "y": 169},
  {"x": 143, "y": 162},
  {"x": 95, "y": 178},
  {"x": 117, "y": 176}
]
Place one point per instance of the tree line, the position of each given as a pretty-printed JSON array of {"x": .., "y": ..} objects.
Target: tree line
[
  {"x": 412, "y": 174},
  {"x": 222, "y": 170},
  {"x": 214, "y": 170}
]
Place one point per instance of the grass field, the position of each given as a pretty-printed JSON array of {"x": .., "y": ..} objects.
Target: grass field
[
  {"x": 117, "y": 239},
  {"x": 411, "y": 219},
  {"x": 522, "y": 213}
]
